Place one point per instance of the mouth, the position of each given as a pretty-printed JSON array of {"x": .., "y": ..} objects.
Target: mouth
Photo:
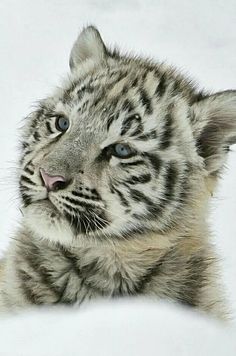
[{"x": 81, "y": 220}]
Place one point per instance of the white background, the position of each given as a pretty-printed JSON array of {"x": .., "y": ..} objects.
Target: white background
[{"x": 199, "y": 37}]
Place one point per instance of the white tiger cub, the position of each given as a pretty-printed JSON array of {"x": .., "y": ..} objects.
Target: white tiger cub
[{"x": 117, "y": 169}]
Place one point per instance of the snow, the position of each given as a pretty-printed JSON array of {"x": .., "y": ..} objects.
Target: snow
[
  {"x": 35, "y": 41},
  {"x": 130, "y": 327}
]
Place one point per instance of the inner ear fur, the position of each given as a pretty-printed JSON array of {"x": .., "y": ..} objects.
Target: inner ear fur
[{"x": 214, "y": 127}]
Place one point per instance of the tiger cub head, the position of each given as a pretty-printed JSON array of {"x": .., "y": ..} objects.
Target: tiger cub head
[{"x": 124, "y": 147}]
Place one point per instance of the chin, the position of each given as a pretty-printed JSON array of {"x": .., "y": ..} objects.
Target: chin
[{"x": 46, "y": 222}]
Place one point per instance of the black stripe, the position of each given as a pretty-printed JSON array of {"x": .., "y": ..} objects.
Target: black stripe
[
  {"x": 152, "y": 209},
  {"x": 155, "y": 161},
  {"x": 27, "y": 288},
  {"x": 135, "y": 163},
  {"x": 95, "y": 195},
  {"x": 124, "y": 90},
  {"x": 86, "y": 222},
  {"x": 36, "y": 136},
  {"x": 161, "y": 87},
  {"x": 126, "y": 125},
  {"x": 127, "y": 106},
  {"x": 144, "y": 280},
  {"x": 83, "y": 107},
  {"x": 35, "y": 262},
  {"x": 85, "y": 89},
  {"x": 26, "y": 198},
  {"x": 110, "y": 120},
  {"x": 166, "y": 136},
  {"x": 134, "y": 82},
  {"x": 144, "y": 178},
  {"x": 27, "y": 152},
  {"x": 49, "y": 127},
  {"x": 24, "y": 145},
  {"x": 129, "y": 121},
  {"x": 144, "y": 75},
  {"x": 171, "y": 177},
  {"x": 146, "y": 101},
  {"x": 67, "y": 93},
  {"x": 78, "y": 202},
  {"x": 148, "y": 136},
  {"x": 80, "y": 93},
  {"x": 98, "y": 99},
  {"x": 36, "y": 117},
  {"x": 140, "y": 197},
  {"x": 195, "y": 279},
  {"x": 26, "y": 180},
  {"x": 124, "y": 201},
  {"x": 28, "y": 170}
]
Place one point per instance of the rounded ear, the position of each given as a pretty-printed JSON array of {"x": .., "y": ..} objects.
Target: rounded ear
[
  {"x": 214, "y": 128},
  {"x": 89, "y": 45}
]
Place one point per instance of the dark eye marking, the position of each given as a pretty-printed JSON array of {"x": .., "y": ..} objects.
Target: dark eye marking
[
  {"x": 146, "y": 102},
  {"x": 49, "y": 127},
  {"x": 135, "y": 163}
]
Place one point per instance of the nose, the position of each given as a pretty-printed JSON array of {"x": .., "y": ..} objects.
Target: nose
[{"x": 53, "y": 183}]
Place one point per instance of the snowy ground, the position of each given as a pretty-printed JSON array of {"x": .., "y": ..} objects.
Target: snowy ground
[{"x": 35, "y": 41}]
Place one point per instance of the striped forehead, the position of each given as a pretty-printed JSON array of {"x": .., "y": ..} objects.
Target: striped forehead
[{"x": 125, "y": 104}]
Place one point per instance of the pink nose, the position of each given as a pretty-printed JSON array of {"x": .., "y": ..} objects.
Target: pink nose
[{"x": 52, "y": 182}]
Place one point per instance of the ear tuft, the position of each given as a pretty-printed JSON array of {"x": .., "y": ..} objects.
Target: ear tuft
[
  {"x": 89, "y": 45},
  {"x": 214, "y": 128}
]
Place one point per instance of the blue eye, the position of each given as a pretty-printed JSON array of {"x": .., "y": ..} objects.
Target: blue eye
[
  {"x": 62, "y": 123},
  {"x": 122, "y": 150}
]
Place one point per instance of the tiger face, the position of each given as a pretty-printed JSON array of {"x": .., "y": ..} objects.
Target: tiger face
[{"x": 123, "y": 147}]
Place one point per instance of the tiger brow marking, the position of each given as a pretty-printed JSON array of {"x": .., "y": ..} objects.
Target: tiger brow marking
[
  {"x": 111, "y": 119},
  {"x": 146, "y": 101},
  {"x": 127, "y": 123},
  {"x": 148, "y": 136},
  {"x": 161, "y": 87},
  {"x": 127, "y": 106},
  {"x": 67, "y": 93}
]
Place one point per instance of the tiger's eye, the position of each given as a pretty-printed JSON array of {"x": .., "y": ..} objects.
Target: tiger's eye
[
  {"x": 62, "y": 123},
  {"x": 122, "y": 150}
]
